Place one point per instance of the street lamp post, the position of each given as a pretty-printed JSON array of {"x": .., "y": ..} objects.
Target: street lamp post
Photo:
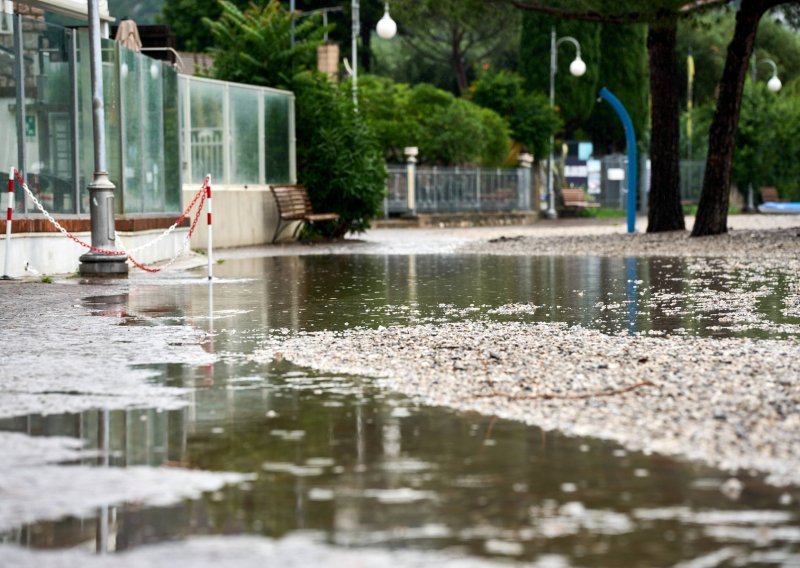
[
  {"x": 774, "y": 84},
  {"x": 386, "y": 29},
  {"x": 576, "y": 68},
  {"x": 101, "y": 190}
]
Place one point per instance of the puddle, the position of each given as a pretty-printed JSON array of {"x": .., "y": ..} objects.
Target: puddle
[{"x": 341, "y": 465}]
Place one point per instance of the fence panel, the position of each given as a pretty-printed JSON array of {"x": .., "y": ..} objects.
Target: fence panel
[{"x": 456, "y": 190}]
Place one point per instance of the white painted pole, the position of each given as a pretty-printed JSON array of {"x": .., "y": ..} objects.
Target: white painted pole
[
  {"x": 210, "y": 239},
  {"x": 9, "y": 215}
]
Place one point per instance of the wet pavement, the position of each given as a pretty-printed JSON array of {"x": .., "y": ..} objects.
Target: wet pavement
[{"x": 337, "y": 471}]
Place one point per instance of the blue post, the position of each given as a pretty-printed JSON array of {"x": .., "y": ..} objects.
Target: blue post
[{"x": 630, "y": 139}]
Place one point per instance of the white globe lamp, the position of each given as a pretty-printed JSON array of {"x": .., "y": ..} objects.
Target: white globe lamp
[
  {"x": 387, "y": 28},
  {"x": 577, "y": 67}
]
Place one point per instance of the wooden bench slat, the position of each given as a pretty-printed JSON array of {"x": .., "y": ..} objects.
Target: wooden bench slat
[
  {"x": 294, "y": 204},
  {"x": 575, "y": 197}
]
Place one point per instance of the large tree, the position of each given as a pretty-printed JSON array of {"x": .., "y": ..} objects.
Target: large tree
[{"x": 712, "y": 214}]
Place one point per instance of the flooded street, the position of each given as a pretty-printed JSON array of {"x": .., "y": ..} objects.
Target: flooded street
[{"x": 337, "y": 470}]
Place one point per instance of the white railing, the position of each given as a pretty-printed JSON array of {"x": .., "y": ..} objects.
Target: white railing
[{"x": 458, "y": 190}]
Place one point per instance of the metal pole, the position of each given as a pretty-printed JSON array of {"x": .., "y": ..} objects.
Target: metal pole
[
  {"x": 101, "y": 190},
  {"x": 291, "y": 9},
  {"x": 19, "y": 80},
  {"x": 750, "y": 205},
  {"x": 551, "y": 198},
  {"x": 210, "y": 240},
  {"x": 9, "y": 216},
  {"x": 356, "y": 30}
]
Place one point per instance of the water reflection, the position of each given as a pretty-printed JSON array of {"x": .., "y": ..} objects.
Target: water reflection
[
  {"x": 614, "y": 295},
  {"x": 360, "y": 467}
]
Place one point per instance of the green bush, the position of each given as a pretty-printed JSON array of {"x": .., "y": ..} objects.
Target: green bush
[
  {"x": 339, "y": 159},
  {"x": 448, "y": 130},
  {"x": 529, "y": 115}
]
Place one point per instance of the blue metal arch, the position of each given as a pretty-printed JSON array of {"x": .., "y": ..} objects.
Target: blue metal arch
[{"x": 630, "y": 139}]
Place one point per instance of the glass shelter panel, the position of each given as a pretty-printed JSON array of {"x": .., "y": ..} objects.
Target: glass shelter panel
[
  {"x": 171, "y": 154},
  {"x": 207, "y": 129},
  {"x": 153, "y": 136},
  {"x": 47, "y": 118},
  {"x": 244, "y": 135},
  {"x": 8, "y": 103},
  {"x": 131, "y": 89},
  {"x": 277, "y": 125},
  {"x": 111, "y": 87},
  {"x": 45, "y": 115}
]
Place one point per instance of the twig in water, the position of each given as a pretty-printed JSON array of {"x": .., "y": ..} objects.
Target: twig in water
[{"x": 548, "y": 396}]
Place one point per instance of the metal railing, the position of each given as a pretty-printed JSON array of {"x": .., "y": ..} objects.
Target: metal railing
[
  {"x": 465, "y": 190},
  {"x": 459, "y": 190}
]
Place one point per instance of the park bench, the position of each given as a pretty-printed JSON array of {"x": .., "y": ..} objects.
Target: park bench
[
  {"x": 769, "y": 194},
  {"x": 575, "y": 199},
  {"x": 294, "y": 204}
]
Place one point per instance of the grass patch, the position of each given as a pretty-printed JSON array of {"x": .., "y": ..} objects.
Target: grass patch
[
  {"x": 45, "y": 279},
  {"x": 603, "y": 213}
]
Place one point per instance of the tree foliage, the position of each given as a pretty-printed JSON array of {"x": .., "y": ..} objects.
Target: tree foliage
[
  {"x": 461, "y": 34},
  {"x": 448, "y": 130},
  {"x": 529, "y": 115},
  {"x": 257, "y": 42},
  {"x": 708, "y": 35},
  {"x": 185, "y": 17},
  {"x": 143, "y": 12},
  {"x": 623, "y": 56},
  {"x": 767, "y": 144},
  {"x": 338, "y": 157}
]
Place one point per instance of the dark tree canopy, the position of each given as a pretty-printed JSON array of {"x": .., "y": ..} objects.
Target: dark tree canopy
[{"x": 458, "y": 33}]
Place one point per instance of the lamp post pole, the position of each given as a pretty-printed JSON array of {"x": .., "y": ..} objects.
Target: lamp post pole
[
  {"x": 577, "y": 68},
  {"x": 356, "y": 30},
  {"x": 101, "y": 190},
  {"x": 774, "y": 84}
]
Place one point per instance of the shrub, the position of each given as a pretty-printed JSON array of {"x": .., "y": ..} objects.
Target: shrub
[
  {"x": 339, "y": 159},
  {"x": 447, "y": 130},
  {"x": 529, "y": 115}
]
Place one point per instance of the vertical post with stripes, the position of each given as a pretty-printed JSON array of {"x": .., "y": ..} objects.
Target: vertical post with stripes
[
  {"x": 210, "y": 240},
  {"x": 9, "y": 215}
]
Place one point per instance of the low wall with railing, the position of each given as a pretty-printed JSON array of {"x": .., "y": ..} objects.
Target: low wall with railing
[{"x": 413, "y": 190}]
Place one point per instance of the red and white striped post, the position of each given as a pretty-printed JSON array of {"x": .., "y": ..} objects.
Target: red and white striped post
[
  {"x": 9, "y": 216},
  {"x": 210, "y": 252}
]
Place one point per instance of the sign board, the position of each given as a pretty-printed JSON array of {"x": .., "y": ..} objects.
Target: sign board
[
  {"x": 615, "y": 174},
  {"x": 30, "y": 126},
  {"x": 575, "y": 172}
]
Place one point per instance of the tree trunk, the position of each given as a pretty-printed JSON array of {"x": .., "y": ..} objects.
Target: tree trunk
[
  {"x": 712, "y": 213},
  {"x": 665, "y": 212},
  {"x": 457, "y": 60}
]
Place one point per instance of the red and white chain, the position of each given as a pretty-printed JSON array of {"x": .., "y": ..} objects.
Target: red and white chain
[
  {"x": 57, "y": 225},
  {"x": 186, "y": 239},
  {"x": 201, "y": 195},
  {"x": 174, "y": 226}
]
